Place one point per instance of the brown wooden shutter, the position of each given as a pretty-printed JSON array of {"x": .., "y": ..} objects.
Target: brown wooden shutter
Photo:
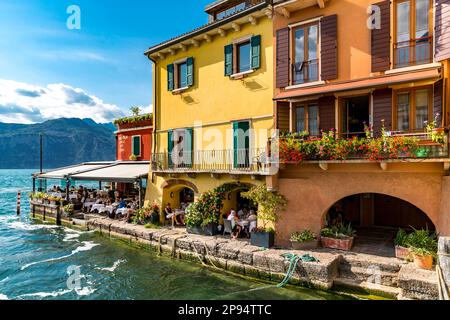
[
  {"x": 329, "y": 48},
  {"x": 283, "y": 60},
  {"x": 382, "y": 110},
  {"x": 381, "y": 40},
  {"x": 437, "y": 106},
  {"x": 442, "y": 29},
  {"x": 327, "y": 113},
  {"x": 283, "y": 116}
]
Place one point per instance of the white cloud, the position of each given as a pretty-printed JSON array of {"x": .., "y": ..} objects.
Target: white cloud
[{"x": 27, "y": 103}]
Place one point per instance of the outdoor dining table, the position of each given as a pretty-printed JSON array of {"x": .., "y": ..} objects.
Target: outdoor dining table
[
  {"x": 73, "y": 196},
  {"x": 109, "y": 209},
  {"x": 97, "y": 207},
  {"x": 88, "y": 204},
  {"x": 122, "y": 211}
]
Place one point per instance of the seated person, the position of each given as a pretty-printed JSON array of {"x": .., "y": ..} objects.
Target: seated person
[
  {"x": 242, "y": 214},
  {"x": 237, "y": 229},
  {"x": 168, "y": 211},
  {"x": 179, "y": 219},
  {"x": 252, "y": 216},
  {"x": 122, "y": 204}
]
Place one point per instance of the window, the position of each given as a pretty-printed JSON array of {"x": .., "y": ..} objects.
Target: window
[
  {"x": 413, "y": 35},
  {"x": 413, "y": 109},
  {"x": 306, "y": 54},
  {"x": 230, "y": 11},
  {"x": 136, "y": 146},
  {"x": 308, "y": 119},
  {"x": 180, "y": 147},
  {"x": 243, "y": 56},
  {"x": 180, "y": 74}
]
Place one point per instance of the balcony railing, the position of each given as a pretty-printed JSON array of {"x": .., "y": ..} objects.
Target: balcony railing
[
  {"x": 413, "y": 52},
  {"x": 304, "y": 72},
  {"x": 251, "y": 161},
  {"x": 394, "y": 146}
]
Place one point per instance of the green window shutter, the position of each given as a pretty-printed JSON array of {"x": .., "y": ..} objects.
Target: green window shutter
[
  {"x": 170, "y": 77},
  {"x": 189, "y": 147},
  {"x": 256, "y": 52},
  {"x": 229, "y": 60},
  {"x": 137, "y": 146},
  {"x": 190, "y": 71},
  {"x": 241, "y": 141},
  {"x": 170, "y": 147}
]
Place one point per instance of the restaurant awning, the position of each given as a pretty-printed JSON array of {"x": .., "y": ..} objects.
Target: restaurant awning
[
  {"x": 64, "y": 173},
  {"x": 126, "y": 172},
  {"x": 373, "y": 82}
]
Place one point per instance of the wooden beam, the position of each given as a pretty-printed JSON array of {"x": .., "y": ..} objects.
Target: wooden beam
[
  {"x": 236, "y": 27},
  {"x": 222, "y": 32},
  {"x": 161, "y": 56},
  {"x": 253, "y": 20},
  {"x": 207, "y": 38},
  {"x": 172, "y": 51},
  {"x": 183, "y": 47},
  {"x": 284, "y": 12},
  {"x": 195, "y": 43},
  {"x": 268, "y": 12},
  {"x": 321, "y": 4}
]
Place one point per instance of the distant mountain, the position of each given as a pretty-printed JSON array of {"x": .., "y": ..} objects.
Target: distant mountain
[{"x": 66, "y": 142}]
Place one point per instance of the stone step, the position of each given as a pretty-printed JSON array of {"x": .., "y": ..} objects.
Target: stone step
[
  {"x": 369, "y": 275},
  {"x": 385, "y": 264},
  {"x": 383, "y": 290}
]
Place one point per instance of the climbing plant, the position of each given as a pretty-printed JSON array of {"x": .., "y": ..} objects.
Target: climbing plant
[
  {"x": 269, "y": 203},
  {"x": 206, "y": 209}
]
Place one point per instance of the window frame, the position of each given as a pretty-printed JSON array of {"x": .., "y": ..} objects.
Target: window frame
[
  {"x": 412, "y": 106},
  {"x": 236, "y": 57},
  {"x": 306, "y": 106},
  {"x": 412, "y": 32},
  {"x": 305, "y": 26},
  {"x": 176, "y": 75},
  {"x": 140, "y": 146}
]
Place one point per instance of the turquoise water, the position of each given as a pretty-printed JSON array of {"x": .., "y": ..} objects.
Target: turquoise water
[{"x": 38, "y": 260}]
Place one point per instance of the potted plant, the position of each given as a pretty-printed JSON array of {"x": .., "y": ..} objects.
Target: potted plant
[
  {"x": 401, "y": 245},
  {"x": 305, "y": 240},
  {"x": 269, "y": 203},
  {"x": 69, "y": 210},
  {"x": 339, "y": 237},
  {"x": 423, "y": 245}
]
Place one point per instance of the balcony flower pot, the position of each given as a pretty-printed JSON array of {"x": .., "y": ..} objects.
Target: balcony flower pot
[
  {"x": 209, "y": 230},
  {"x": 423, "y": 262},
  {"x": 262, "y": 239},
  {"x": 308, "y": 245},
  {"x": 345, "y": 243},
  {"x": 402, "y": 253}
]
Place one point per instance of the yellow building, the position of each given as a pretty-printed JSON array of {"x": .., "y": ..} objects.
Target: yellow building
[{"x": 213, "y": 109}]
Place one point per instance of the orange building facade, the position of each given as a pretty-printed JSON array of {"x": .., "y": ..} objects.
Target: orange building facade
[
  {"x": 350, "y": 66},
  {"x": 134, "y": 141}
]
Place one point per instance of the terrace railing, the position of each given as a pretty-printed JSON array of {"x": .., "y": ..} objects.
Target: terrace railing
[{"x": 251, "y": 161}]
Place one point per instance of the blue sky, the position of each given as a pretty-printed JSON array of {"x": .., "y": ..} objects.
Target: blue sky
[{"x": 48, "y": 71}]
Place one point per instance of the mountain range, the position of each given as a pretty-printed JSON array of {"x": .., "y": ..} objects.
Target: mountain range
[{"x": 65, "y": 142}]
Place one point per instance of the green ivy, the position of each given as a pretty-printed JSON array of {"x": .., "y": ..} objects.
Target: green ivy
[{"x": 134, "y": 119}]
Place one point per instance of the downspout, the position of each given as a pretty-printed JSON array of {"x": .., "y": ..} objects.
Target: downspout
[{"x": 155, "y": 111}]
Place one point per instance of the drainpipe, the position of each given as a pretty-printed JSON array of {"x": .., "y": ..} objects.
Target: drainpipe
[{"x": 155, "y": 110}]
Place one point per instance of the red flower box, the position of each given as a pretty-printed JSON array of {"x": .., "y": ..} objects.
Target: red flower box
[{"x": 340, "y": 244}]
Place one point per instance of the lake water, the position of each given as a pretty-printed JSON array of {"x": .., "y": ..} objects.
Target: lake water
[{"x": 44, "y": 261}]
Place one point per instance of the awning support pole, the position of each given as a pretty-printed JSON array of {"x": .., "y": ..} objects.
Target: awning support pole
[
  {"x": 140, "y": 193},
  {"x": 34, "y": 185},
  {"x": 67, "y": 189}
]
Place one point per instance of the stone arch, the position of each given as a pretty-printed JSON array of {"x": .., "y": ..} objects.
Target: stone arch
[{"x": 179, "y": 182}]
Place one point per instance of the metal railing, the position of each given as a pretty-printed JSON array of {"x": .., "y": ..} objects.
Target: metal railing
[
  {"x": 304, "y": 72},
  {"x": 212, "y": 161},
  {"x": 413, "y": 52}
]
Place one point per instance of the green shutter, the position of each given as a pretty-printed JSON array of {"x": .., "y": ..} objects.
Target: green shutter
[
  {"x": 190, "y": 71},
  {"x": 256, "y": 52},
  {"x": 137, "y": 146},
  {"x": 170, "y": 77},
  {"x": 170, "y": 147},
  {"x": 241, "y": 144},
  {"x": 229, "y": 60},
  {"x": 189, "y": 147}
]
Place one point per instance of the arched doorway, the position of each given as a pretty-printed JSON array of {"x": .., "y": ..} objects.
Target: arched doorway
[
  {"x": 235, "y": 201},
  {"x": 373, "y": 210}
]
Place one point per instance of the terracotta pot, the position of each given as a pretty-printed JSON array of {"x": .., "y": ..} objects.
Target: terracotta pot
[
  {"x": 423, "y": 262},
  {"x": 340, "y": 244},
  {"x": 402, "y": 253},
  {"x": 309, "y": 245}
]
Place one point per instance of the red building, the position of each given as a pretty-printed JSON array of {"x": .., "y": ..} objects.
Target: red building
[{"x": 134, "y": 138}]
